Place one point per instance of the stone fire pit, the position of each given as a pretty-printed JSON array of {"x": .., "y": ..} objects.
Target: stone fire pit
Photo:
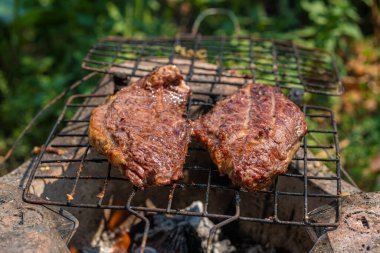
[{"x": 27, "y": 228}]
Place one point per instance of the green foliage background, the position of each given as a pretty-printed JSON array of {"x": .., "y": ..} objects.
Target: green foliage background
[{"x": 42, "y": 43}]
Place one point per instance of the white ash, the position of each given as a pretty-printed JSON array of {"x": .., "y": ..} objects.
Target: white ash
[
  {"x": 202, "y": 225},
  {"x": 104, "y": 243}
]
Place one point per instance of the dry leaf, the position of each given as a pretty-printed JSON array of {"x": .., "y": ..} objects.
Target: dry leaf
[
  {"x": 44, "y": 168},
  {"x": 69, "y": 197},
  {"x": 37, "y": 150},
  {"x": 100, "y": 195}
]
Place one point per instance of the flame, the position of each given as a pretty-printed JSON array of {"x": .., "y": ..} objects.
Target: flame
[
  {"x": 117, "y": 217},
  {"x": 122, "y": 243},
  {"x": 73, "y": 249}
]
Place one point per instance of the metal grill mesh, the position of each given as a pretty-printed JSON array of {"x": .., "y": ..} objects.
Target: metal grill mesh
[
  {"x": 213, "y": 73},
  {"x": 283, "y": 64}
]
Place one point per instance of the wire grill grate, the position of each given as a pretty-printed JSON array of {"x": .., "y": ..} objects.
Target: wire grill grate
[
  {"x": 202, "y": 179},
  {"x": 214, "y": 68},
  {"x": 283, "y": 64}
]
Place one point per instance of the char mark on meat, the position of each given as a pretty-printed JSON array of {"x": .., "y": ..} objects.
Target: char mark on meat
[
  {"x": 252, "y": 135},
  {"x": 142, "y": 129}
]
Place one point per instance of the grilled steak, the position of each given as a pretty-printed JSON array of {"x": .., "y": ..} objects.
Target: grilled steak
[
  {"x": 142, "y": 129},
  {"x": 252, "y": 135}
]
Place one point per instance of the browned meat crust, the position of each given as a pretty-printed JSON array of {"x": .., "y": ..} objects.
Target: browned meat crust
[
  {"x": 252, "y": 135},
  {"x": 142, "y": 129}
]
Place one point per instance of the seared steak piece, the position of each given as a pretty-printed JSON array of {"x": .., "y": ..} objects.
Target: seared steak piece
[
  {"x": 142, "y": 129},
  {"x": 252, "y": 135}
]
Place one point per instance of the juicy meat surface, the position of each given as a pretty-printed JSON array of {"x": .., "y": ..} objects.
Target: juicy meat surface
[
  {"x": 252, "y": 135},
  {"x": 142, "y": 129}
]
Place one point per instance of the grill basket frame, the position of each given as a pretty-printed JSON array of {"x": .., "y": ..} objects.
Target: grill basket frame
[{"x": 219, "y": 76}]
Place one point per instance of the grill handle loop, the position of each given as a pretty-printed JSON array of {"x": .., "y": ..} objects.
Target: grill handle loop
[
  {"x": 213, "y": 12},
  {"x": 142, "y": 248}
]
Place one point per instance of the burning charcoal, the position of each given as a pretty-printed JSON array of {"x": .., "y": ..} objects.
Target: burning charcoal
[
  {"x": 181, "y": 238},
  {"x": 183, "y": 234},
  {"x": 203, "y": 226}
]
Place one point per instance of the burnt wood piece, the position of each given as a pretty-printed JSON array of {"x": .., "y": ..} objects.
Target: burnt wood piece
[
  {"x": 252, "y": 135},
  {"x": 142, "y": 129}
]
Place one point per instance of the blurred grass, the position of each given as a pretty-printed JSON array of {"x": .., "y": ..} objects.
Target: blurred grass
[{"x": 43, "y": 42}]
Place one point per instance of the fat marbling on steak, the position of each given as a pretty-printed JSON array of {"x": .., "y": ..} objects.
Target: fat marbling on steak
[
  {"x": 142, "y": 129},
  {"x": 252, "y": 135}
]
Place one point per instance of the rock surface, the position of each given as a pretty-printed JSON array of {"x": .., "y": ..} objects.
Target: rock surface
[
  {"x": 359, "y": 230},
  {"x": 26, "y": 228}
]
